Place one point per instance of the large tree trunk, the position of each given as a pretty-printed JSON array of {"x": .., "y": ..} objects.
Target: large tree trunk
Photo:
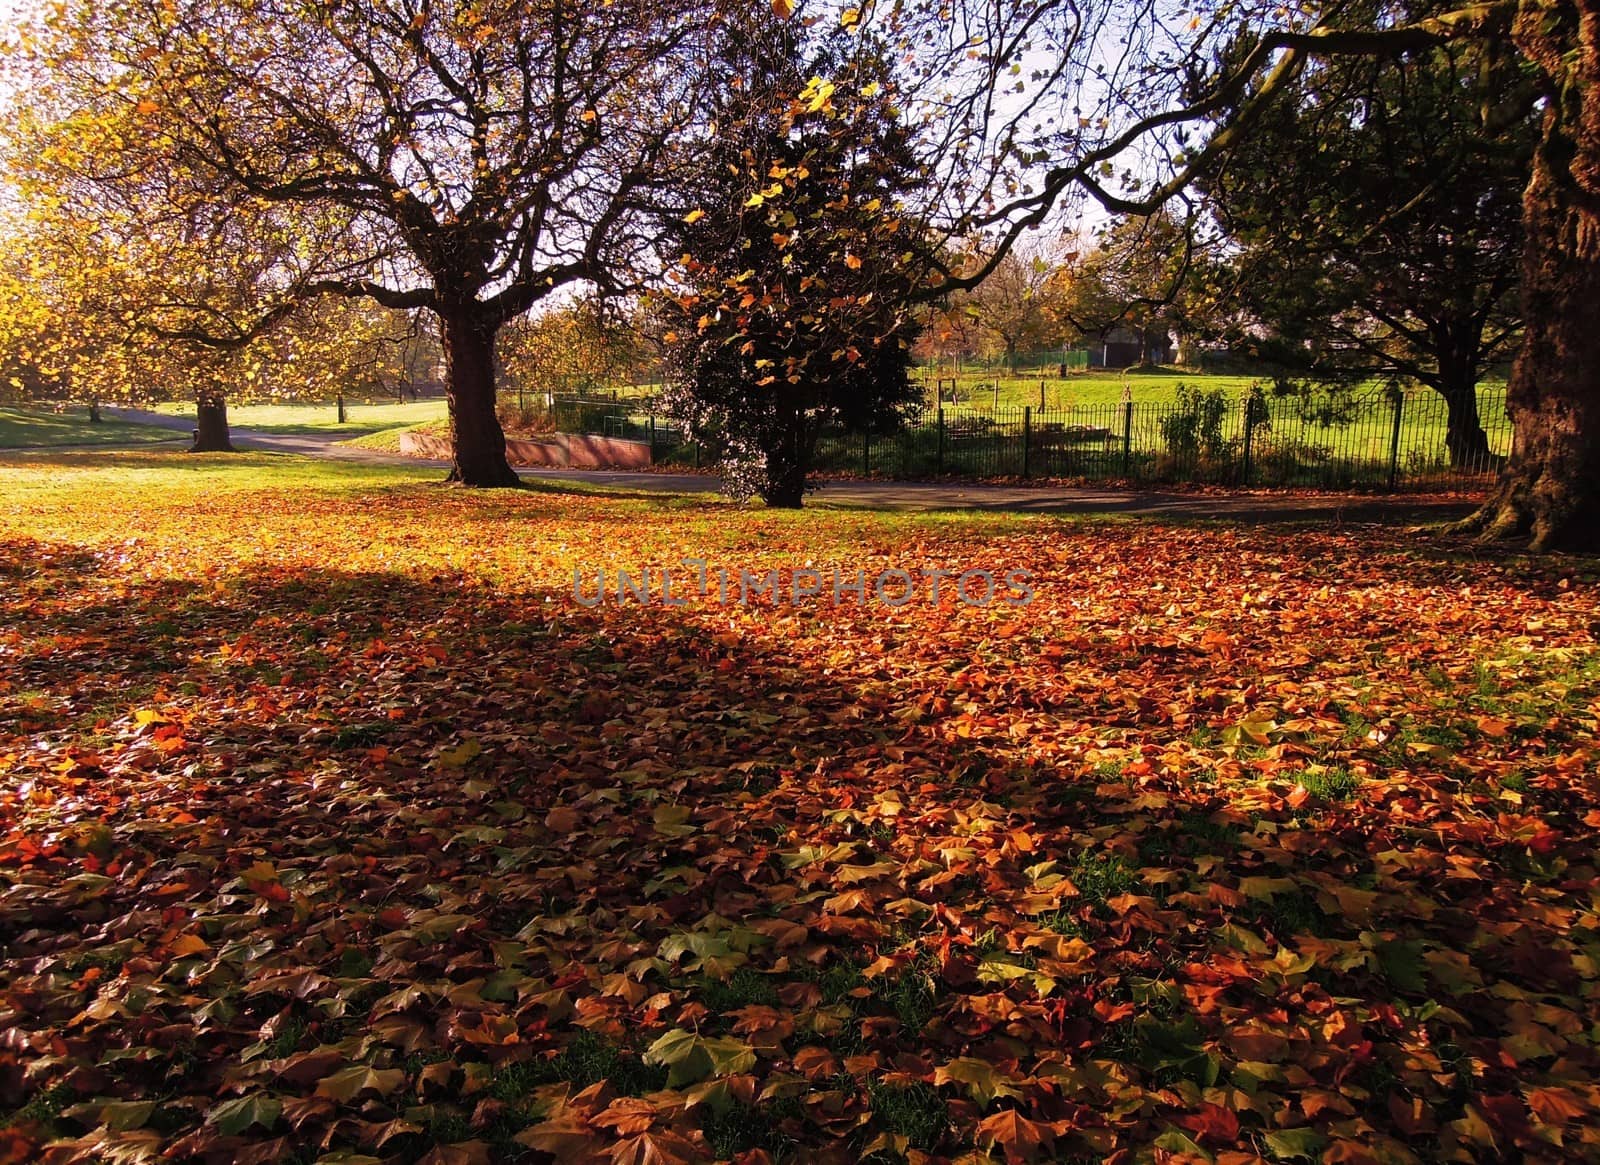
[
  {"x": 211, "y": 424},
  {"x": 477, "y": 442},
  {"x": 1550, "y": 491}
]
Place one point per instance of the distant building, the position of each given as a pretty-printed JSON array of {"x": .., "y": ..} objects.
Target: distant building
[{"x": 1128, "y": 347}]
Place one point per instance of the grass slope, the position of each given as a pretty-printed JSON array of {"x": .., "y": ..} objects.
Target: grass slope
[
  {"x": 293, "y": 418},
  {"x": 40, "y": 429}
]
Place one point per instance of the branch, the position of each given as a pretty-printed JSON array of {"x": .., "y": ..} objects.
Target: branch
[{"x": 1291, "y": 50}]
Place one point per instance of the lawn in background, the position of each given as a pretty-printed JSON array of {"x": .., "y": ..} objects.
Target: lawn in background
[
  {"x": 43, "y": 429},
  {"x": 315, "y": 417}
]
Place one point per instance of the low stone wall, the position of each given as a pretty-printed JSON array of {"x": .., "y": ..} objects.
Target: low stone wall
[{"x": 558, "y": 450}]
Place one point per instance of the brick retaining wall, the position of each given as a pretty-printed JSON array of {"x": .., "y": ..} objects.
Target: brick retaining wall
[{"x": 560, "y": 450}]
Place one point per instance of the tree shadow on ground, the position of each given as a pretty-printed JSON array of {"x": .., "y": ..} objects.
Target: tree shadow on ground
[{"x": 268, "y": 827}]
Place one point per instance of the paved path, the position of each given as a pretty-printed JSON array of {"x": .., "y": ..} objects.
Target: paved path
[{"x": 1259, "y": 506}]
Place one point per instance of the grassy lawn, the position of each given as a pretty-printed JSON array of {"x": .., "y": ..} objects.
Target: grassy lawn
[
  {"x": 39, "y": 429},
  {"x": 292, "y": 418},
  {"x": 388, "y": 440},
  {"x": 329, "y": 816},
  {"x": 976, "y": 389}
]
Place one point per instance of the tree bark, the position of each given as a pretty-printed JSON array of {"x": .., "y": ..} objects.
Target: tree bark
[
  {"x": 477, "y": 442},
  {"x": 211, "y": 424},
  {"x": 1550, "y": 491}
]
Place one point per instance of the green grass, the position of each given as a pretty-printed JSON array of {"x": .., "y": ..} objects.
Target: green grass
[
  {"x": 39, "y": 429},
  {"x": 976, "y": 390},
  {"x": 194, "y": 476},
  {"x": 309, "y": 417},
  {"x": 916, "y": 1112},
  {"x": 1330, "y": 784},
  {"x": 388, "y": 440}
]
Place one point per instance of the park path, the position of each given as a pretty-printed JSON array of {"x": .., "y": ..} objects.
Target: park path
[{"x": 1258, "y": 506}]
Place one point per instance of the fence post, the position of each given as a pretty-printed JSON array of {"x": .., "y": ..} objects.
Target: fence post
[
  {"x": 941, "y": 440},
  {"x": 1394, "y": 443},
  {"x": 866, "y": 452},
  {"x": 1127, "y": 437},
  {"x": 652, "y": 437},
  {"x": 1027, "y": 437},
  {"x": 1249, "y": 433}
]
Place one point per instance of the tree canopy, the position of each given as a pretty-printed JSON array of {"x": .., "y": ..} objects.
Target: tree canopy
[
  {"x": 791, "y": 304},
  {"x": 464, "y": 158},
  {"x": 1378, "y": 231}
]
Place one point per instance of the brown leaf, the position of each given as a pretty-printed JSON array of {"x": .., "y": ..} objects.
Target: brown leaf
[{"x": 1019, "y": 1138}]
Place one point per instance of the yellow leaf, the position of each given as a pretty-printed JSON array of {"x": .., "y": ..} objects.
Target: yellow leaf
[
  {"x": 259, "y": 874},
  {"x": 189, "y": 944},
  {"x": 457, "y": 757},
  {"x": 853, "y": 262},
  {"x": 694, "y": 216}
]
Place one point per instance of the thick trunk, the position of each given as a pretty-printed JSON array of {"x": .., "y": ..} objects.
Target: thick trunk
[
  {"x": 1464, "y": 438},
  {"x": 787, "y": 493},
  {"x": 788, "y": 463},
  {"x": 478, "y": 444},
  {"x": 1550, "y": 491},
  {"x": 211, "y": 424}
]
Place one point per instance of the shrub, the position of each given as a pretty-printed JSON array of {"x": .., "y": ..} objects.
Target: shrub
[{"x": 1191, "y": 430}]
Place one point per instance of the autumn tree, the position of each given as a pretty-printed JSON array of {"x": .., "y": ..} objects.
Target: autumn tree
[
  {"x": 790, "y": 308},
  {"x": 1137, "y": 273},
  {"x": 1019, "y": 303},
  {"x": 582, "y": 345},
  {"x": 175, "y": 313},
  {"x": 463, "y": 158}
]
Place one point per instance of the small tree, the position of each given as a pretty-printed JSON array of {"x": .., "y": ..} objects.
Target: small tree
[
  {"x": 790, "y": 307},
  {"x": 585, "y": 345},
  {"x": 1137, "y": 276},
  {"x": 1019, "y": 304}
]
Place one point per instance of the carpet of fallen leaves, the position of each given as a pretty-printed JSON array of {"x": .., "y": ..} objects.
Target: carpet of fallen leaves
[{"x": 332, "y": 829}]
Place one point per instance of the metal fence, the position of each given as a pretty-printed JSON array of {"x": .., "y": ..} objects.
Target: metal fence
[{"x": 1380, "y": 441}]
